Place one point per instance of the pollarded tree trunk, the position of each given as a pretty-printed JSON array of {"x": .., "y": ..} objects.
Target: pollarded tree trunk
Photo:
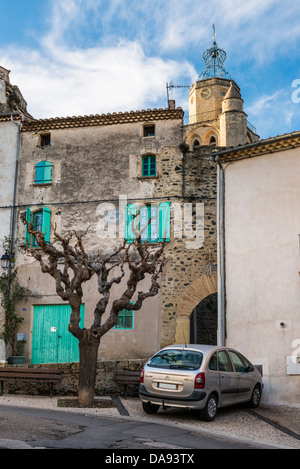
[{"x": 88, "y": 352}]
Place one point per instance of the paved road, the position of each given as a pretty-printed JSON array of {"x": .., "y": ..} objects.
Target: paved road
[{"x": 27, "y": 428}]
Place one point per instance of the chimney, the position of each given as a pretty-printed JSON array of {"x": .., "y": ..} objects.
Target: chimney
[{"x": 171, "y": 103}]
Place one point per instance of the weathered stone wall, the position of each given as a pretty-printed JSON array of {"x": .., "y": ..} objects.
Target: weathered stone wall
[
  {"x": 97, "y": 164},
  {"x": 105, "y": 383},
  {"x": 186, "y": 259}
]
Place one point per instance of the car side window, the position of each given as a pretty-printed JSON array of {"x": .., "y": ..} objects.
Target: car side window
[
  {"x": 224, "y": 361},
  {"x": 213, "y": 363},
  {"x": 238, "y": 363}
]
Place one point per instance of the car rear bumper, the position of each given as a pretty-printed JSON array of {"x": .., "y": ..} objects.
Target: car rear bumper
[{"x": 195, "y": 401}]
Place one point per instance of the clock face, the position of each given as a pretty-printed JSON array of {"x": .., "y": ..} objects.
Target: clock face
[{"x": 205, "y": 93}]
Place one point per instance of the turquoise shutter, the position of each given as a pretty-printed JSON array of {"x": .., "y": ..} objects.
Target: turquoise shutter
[
  {"x": 164, "y": 221},
  {"x": 154, "y": 225},
  {"x": 29, "y": 220},
  {"x": 130, "y": 213},
  {"x": 47, "y": 171},
  {"x": 144, "y": 219},
  {"x": 39, "y": 173},
  {"x": 46, "y": 223}
]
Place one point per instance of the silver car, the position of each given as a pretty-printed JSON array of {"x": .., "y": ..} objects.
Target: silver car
[{"x": 201, "y": 377}]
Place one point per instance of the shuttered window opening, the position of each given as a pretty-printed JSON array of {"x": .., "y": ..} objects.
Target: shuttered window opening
[
  {"x": 40, "y": 220},
  {"x": 159, "y": 227},
  {"x": 43, "y": 172}
]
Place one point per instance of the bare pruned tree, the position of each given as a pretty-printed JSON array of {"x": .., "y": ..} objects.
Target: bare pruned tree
[{"x": 67, "y": 261}]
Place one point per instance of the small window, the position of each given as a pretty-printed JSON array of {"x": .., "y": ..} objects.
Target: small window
[
  {"x": 149, "y": 130},
  {"x": 212, "y": 141},
  {"x": 124, "y": 320},
  {"x": 149, "y": 166},
  {"x": 40, "y": 221},
  {"x": 45, "y": 140},
  {"x": 43, "y": 172}
]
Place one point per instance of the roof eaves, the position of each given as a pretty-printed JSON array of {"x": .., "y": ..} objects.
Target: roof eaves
[
  {"x": 269, "y": 145},
  {"x": 103, "y": 119}
]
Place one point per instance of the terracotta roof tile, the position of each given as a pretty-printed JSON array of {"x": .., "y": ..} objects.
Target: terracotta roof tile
[{"x": 103, "y": 119}]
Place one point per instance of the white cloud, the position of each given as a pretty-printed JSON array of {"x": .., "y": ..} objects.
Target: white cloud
[
  {"x": 264, "y": 102},
  {"x": 97, "y": 80},
  {"x": 134, "y": 48}
]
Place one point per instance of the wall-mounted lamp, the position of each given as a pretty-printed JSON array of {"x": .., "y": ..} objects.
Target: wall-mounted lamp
[{"x": 5, "y": 261}]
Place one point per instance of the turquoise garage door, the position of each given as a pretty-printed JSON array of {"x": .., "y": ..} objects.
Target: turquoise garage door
[{"x": 51, "y": 340}]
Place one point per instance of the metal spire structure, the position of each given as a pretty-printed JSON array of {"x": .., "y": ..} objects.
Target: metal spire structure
[{"x": 214, "y": 59}]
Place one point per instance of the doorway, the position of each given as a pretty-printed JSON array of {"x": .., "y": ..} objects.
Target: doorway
[
  {"x": 204, "y": 321},
  {"x": 51, "y": 340}
]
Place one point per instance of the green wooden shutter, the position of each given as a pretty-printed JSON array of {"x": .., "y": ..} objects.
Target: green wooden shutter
[
  {"x": 43, "y": 172},
  {"x": 144, "y": 219},
  {"x": 39, "y": 173},
  {"x": 47, "y": 172},
  {"x": 130, "y": 213},
  {"x": 46, "y": 223},
  {"x": 149, "y": 166},
  {"x": 29, "y": 220},
  {"x": 154, "y": 225},
  {"x": 164, "y": 221}
]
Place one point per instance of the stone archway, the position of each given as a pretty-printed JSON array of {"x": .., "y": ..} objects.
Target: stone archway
[{"x": 193, "y": 295}]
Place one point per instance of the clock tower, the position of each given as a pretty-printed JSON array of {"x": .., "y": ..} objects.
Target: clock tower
[{"x": 208, "y": 111}]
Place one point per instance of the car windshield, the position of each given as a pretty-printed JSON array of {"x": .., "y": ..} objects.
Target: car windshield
[{"x": 181, "y": 359}]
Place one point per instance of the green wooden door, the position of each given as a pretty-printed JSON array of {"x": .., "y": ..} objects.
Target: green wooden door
[{"x": 51, "y": 340}]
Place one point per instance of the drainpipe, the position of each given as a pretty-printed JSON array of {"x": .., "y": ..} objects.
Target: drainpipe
[
  {"x": 221, "y": 259},
  {"x": 12, "y": 228},
  {"x": 15, "y": 181}
]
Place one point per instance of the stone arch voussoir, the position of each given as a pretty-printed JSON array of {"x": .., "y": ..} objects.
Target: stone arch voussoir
[{"x": 193, "y": 295}]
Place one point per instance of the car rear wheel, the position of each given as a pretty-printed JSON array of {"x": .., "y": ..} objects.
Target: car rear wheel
[
  {"x": 209, "y": 412},
  {"x": 255, "y": 398},
  {"x": 150, "y": 408}
]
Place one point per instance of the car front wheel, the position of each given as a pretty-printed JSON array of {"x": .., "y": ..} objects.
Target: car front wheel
[
  {"x": 150, "y": 408},
  {"x": 209, "y": 412}
]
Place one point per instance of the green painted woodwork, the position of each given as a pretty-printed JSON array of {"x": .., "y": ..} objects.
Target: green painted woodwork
[
  {"x": 43, "y": 172},
  {"x": 51, "y": 340}
]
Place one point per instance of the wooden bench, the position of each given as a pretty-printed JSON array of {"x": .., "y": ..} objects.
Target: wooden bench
[
  {"x": 50, "y": 376},
  {"x": 127, "y": 377}
]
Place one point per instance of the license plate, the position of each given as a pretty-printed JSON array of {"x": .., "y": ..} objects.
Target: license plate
[{"x": 167, "y": 386}]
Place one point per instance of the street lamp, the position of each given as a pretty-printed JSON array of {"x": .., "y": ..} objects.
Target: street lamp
[{"x": 5, "y": 261}]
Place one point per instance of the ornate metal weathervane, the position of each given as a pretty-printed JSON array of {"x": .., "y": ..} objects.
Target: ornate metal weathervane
[{"x": 214, "y": 59}]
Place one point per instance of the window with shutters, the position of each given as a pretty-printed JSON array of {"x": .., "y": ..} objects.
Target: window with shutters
[
  {"x": 125, "y": 320},
  {"x": 40, "y": 220},
  {"x": 149, "y": 166},
  {"x": 43, "y": 172},
  {"x": 153, "y": 222}
]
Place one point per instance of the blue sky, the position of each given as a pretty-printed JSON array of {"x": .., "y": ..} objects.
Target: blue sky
[{"x": 76, "y": 57}]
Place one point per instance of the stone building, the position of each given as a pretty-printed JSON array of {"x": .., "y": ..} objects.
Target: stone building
[
  {"x": 13, "y": 111},
  {"x": 76, "y": 172},
  {"x": 261, "y": 226}
]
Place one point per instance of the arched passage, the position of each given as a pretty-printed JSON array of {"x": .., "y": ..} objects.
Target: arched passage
[
  {"x": 204, "y": 321},
  {"x": 201, "y": 288}
]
